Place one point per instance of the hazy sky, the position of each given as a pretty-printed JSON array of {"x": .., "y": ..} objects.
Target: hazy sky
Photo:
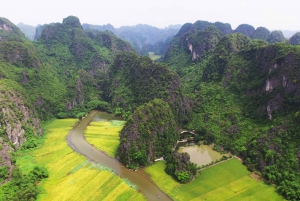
[{"x": 272, "y": 14}]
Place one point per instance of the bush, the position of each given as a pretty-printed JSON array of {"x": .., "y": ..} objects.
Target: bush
[
  {"x": 80, "y": 115},
  {"x": 99, "y": 105},
  {"x": 4, "y": 173},
  {"x": 38, "y": 173},
  {"x": 62, "y": 115}
]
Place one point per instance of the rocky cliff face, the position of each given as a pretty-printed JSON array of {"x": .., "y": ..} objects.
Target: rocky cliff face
[
  {"x": 18, "y": 122},
  {"x": 276, "y": 77},
  {"x": 17, "y": 114}
]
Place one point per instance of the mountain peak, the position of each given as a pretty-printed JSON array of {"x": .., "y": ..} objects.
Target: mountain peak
[
  {"x": 9, "y": 31},
  {"x": 72, "y": 21}
]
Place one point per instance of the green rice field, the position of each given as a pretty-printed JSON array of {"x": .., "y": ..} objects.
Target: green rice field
[
  {"x": 229, "y": 180},
  {"x": 104, "y": 135}
]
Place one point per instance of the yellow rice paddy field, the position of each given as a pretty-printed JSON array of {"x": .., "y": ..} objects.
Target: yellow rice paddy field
[
  {"x": 226, "y": 181},
  {"x": 104, "y": 135},
  {"x": 71, "y": 176}
]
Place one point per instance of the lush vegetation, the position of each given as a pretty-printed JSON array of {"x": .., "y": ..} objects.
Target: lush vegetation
[
  {"x": 9, "y": 31},
  {"x": 104, "y": 135},
  {"x": 276, "y": 36},
  {"x": 135, "y": 80},
  {"x": 295, "y": 39},
  {"x": 149, "y": 134},
  {"x": 179, "y": 166},
  {"x": 245, "y": 95},
  {"x": 144, "y": 38},
  {"x": 245, "y": 29},
  {"x": 238, "y": 93},
  {"x": 69, "y": 172},
  {"x": 261, "y": 33},
  {"x": 229, "y": 180},
  {"x": 23, "y": 186}
]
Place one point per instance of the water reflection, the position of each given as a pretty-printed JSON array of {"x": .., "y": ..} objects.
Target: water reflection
[{"x": 202, "y": 154}]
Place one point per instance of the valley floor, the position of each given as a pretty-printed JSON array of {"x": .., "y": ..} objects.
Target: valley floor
[
  {"x": 71, "y": 176},
  {"x": 226, "y": 181}
]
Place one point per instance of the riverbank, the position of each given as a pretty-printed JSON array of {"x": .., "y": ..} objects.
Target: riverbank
[{"x": 139, "y": 178}]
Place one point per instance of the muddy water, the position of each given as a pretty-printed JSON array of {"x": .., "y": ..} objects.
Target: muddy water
[
  {"x": 202, "y": 154},
  {"x": 78, "y": 143}
]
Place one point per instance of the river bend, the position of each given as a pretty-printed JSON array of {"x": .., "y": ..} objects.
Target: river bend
[{"x": 139, "y": 178}]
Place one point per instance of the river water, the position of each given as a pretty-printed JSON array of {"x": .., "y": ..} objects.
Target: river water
[{"x": 139, "y": 178}]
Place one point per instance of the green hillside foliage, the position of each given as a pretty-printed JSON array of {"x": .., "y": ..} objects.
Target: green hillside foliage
[
  {"x": 239, "y": 93},
  {"x": 275, "y": 37},
  {"x": 199, "y": 25},
  {"x": 23, "y": 186},
  {"x": 193, "y": 45},
  {"x": 9, "y": 31},
  {"x": 144, "y": 38},
  {"x": 227, "y": 45},
  {"x": 295, "y": 39},
  {"x": 136, "y": 80},
  {"x": 180, "y": 167},
  {"x": 111, "y": 42},
  {"x": 247, "y": 101},
  {"x": 261, "y": 33},
  {"x": 245, "y": 29},
  {"x": 21, "y": 63},
  {"x": 81, "y": 59},
  {"x": 150, "y": 133}
]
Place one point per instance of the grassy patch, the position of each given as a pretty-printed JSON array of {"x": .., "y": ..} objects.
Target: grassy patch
[
  {"x": 104, "y": 135},
  {"x": 153, "y": 56},
  {"x": 227, "y": 181},
  {"x": 71, "y": 177}
]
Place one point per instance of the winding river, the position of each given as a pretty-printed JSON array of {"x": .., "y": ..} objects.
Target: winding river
[{"x": 78, "y": 143}]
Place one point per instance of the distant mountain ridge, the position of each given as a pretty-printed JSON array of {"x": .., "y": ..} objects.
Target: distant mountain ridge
[{"x": 144, "y": 38}]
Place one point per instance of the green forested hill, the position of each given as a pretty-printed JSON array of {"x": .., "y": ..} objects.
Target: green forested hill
[
  {"x": 82, "y": 60},
  {"x": 135, "y": 80},
  {"x": 144, "y": 38},
  {"x": 149, "y": 134},
  {"x": 59, "y": 75},
  {"x": 247, "y": 101},
  {"x": 241, "y": 94}
]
